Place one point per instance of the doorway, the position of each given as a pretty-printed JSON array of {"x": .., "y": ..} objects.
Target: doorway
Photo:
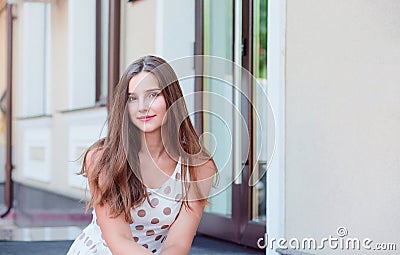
[{"x": 234, "y": 33}]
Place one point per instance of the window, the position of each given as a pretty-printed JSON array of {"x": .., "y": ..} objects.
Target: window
[
  {"x": 88, "y": 44},
  {"x": 82, "y": 53},
  {"x": 36, "y": 51},
  {"x": 101, "y": 51}
]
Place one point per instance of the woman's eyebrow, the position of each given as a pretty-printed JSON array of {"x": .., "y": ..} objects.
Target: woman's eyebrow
[
  {"x": 147, "y": 90},
  {"x": 154, "y": 89}
]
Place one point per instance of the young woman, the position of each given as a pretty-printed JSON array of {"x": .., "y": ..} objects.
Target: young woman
[{"x": 149, "y": 178}]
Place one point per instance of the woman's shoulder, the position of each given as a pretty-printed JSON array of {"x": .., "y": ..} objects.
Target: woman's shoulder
[
  {"x": 205, "y": 176},
  {"x": 92, "y": 157},
  {"x": 206, "y": 170}
]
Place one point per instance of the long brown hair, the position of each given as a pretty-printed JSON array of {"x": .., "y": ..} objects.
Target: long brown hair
[{"x": 121, "y": 186}]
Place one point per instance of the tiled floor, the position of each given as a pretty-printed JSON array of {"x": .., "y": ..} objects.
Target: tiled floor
[
  {"x": 26, "y": 229},
  {"x": 201, "y": 245},
  {"x": 39, "y": 233},
  {"x": 56, "y": 240}
]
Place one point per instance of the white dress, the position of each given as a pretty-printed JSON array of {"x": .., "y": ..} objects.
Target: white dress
[{"x": 150, "y": 224}]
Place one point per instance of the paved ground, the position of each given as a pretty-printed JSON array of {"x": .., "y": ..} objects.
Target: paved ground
[
  {"x": 30, "y": 240},
  {"x": 201, "y": 245}
]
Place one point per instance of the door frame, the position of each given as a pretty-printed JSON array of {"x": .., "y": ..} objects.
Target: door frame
[
  {"x": 239, "y": 228},
  {"x": 276, "y": 48},
  {"x": 228, "y": 226}
]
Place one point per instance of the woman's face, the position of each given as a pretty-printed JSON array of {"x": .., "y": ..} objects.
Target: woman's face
[{"x": 146, "y": 104}]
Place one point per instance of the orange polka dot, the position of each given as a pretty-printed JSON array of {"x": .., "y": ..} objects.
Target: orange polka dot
[
  {"x": 89, "y": 243},
  {"x": 178, "y": 197},
  {"x": 167, "y": 211},
  {"x": 167, "y": 190},
  {"x": 139, "y": 227},
  {"x": 149, "y": 232},
  {"x": 154, "y": 202},
  {"x": 155, "y": 221},
  {"x": 141, "y": 213}
]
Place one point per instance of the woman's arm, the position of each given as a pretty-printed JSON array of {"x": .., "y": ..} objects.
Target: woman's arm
[
  {"x": 181, "y": 233},
  {"x": 115, "y": 230},
  {"x": 117, "y": 234},
  {"x": 183, "y": 230}
]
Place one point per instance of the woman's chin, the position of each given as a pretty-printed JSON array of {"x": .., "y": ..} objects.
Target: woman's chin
[{"x": 147, "y": 129}]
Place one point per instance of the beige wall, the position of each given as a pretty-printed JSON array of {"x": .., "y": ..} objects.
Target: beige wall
[
  {"x": 343, "y": 119},
  {"x": 3, "y": 49},
  {"x": 138, "y": 30},
  {"x": 65, "y": 130},
  {"x": 60, "y": 45},
  {"x": 3, "y": 82},
  {"x": 59, "y": 29}
]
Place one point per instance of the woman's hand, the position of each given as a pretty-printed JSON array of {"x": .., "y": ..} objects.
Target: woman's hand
[
  {"x": 117, "y": 233},
  {"x": 180, "y": 236}
]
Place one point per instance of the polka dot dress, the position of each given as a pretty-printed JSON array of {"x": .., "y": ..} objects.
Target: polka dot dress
[{"x": 151, "y": 220}]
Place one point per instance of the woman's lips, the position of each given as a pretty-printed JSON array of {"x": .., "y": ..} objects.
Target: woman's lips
[{"x": 146, "y": 118}]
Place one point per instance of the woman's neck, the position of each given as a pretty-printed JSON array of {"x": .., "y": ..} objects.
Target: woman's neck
[{"x": 152, "y": 145}]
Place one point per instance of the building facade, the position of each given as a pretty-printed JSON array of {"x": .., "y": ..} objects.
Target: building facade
[{"x": 315, "y": 104}]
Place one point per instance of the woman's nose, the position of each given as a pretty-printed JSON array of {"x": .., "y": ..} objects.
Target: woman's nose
[{"x": 143, "y": 105}]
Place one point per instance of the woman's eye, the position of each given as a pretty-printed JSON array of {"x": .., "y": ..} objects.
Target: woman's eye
[
  {"x": 155, "y": 94},
  {"x": 131, "y": 99}
]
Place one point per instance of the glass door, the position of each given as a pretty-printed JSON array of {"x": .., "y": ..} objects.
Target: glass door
[
  {"x": 260, "y": 120},
  {"x": 217, "y": 113},
  {"x": 236, "y": 115},
  {"x": 218, "y": 97},
  {"x": 262, "y": 150}
]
